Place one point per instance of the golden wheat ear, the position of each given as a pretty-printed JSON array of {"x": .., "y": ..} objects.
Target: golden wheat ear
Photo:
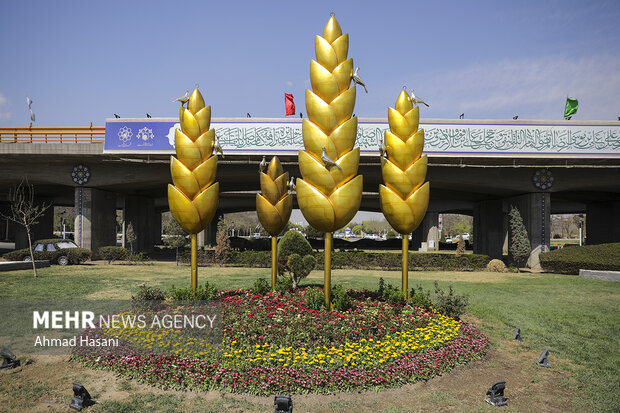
[
  {"x": 330, "y": 197},
  {"x": 194, "y": 196}
]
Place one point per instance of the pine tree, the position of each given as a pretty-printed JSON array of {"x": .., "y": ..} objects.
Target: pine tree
[{"x": 520, "y": 247}]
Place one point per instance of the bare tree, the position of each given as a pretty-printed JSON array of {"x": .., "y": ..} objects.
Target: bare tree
[{"x": 25, "y": 212}]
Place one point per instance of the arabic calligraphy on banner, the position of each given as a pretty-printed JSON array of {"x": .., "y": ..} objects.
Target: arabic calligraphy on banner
[{"x": 157, "y": 136}]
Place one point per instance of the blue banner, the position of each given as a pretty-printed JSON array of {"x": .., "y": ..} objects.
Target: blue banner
[{"x": 140, "y": 135}]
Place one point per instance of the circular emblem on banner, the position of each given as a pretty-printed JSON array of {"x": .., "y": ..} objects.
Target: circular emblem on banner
[
  {"x": 543, "y": 179},
  {"x": 80, "y": 174}
]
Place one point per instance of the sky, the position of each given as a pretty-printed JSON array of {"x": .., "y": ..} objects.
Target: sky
[{"x": 83, "y": 61}]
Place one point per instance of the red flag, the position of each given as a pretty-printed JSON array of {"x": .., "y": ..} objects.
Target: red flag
[{"x": 289, "y": 105}]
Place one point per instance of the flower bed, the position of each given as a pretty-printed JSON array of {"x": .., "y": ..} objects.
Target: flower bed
[{"x": 273, "y": 344}]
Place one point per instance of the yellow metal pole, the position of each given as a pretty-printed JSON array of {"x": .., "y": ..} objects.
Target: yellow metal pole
[
  {"x": 194, "y": 262},
  {"x": 405, "y": 278},
  {"x": 274, "y": 262},
  {"x": 327, "y": 277}
]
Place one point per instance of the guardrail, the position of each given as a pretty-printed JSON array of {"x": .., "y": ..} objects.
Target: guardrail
[{"x": 36, "y": 134}]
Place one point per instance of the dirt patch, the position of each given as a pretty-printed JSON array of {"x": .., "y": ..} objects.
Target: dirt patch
[{"x": 45, "y": 385}]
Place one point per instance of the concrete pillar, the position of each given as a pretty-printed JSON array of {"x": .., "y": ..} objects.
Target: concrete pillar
[
  {"x": 95, "y": 218},
  {"x": 208, "y": 236},
  {"x": 603, "y": 222},
  {"x": 535, "y": 210},
  {"x": 489, "y": 228},
  {"x": 140, "y": 213},
  {"x": 427, "y": 231},
  {"x": 156, "y": 230}
]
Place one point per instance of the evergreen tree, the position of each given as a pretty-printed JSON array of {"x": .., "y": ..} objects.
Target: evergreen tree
[{"x": 520, "y": 247}]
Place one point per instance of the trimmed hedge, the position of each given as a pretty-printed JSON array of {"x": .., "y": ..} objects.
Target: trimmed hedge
[
  {"x": 588, "y": 257},
  {"x": 113, "y": 253},
  {"x": 372, "y": 260}
]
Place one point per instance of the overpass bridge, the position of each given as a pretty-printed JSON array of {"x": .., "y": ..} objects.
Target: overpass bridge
[{"x": 476, "y": 167}]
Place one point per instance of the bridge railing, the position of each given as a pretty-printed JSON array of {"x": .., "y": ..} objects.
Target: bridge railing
[{"x": 37, "y": 134}]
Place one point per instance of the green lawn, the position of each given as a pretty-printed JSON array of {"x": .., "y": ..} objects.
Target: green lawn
[{"x": 576, "y": 318}]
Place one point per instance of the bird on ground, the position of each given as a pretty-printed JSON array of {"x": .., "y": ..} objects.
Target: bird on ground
[
  {"x": 116, "y": 116},
  {"x": 262, "y": 165},
  {"x": 515, "y": 117},
  {"x": 183, "y": 99},
  {"x": 462, "y": 115},
  {"x": 29, "y": 102},
  {"x": 148, "y": 116},
  {"x": 327, "y": 161},
  {"x": 356, "y": 79},
  {"x": 416, "y": 99},
  {"x": 247, "y": 115},
  {"x": 291, "y": 185},
  {"x": 217, "y": 147}
]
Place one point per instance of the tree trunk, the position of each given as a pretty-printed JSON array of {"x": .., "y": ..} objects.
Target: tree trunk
[
  {"x": 295, "y": 282},
  {"x": 177, "y": 258},
  {"x": 34, "y": 265}
]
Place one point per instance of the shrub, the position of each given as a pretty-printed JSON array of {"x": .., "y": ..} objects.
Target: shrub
[
  {"x": 284, "y": 283},
  {"x": 77, "y": 255},
  {"x": 222, "y": 245},
  {"x": 520, "y": 247},
  {"x": 420, "y": 298},
  {"x": 295, "y": 257},
  {"x": 315, "y": 299},
  {"x": 450, "y": 304},
  {"x": 299, "y": 267},
  {"x": 208, "y": 292},
  {"x": 293, "y": 243},
  {"x": 113, "y": 253},
  {"x": 390, "y": 293},
  {"x": 340, "y": 299},
  {"x": 137, "y": 257},
  {"x": 148, "y": 298},
  {"x": 588, "y": 257},
  {"x": 460, "y": 247},
  {"x": 496, "y": 265},
  {"x": 261, "y": 287}
]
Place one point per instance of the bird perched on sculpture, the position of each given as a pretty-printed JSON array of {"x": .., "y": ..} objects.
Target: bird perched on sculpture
[
  {"x": 357, "y": 79},
  {"x": 291, "y": 185},
  {"x": 416, "y": 100},
  {"x": 263, "y": 164},
  {"x": 329, "y": 163},
  {"x": 382, "y": 150},
  {"x": 217, "y": 147},
  {"x": 183, "y": 99}
]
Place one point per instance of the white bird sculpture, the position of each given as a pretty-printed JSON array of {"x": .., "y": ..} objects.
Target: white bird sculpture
[
  {"x": 416, "y": 99},
  {"x": 328, "y": 162},
  {"x": 183, "y": 99},
  {"x": 291, "y": 185},
  {"x": 356, "y": 79},
  {"x": 262, "y": 165},
  {"x": 217, "y": 147}
]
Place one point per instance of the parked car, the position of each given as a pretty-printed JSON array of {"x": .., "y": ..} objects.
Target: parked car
[{"x": 56, "y": 250}]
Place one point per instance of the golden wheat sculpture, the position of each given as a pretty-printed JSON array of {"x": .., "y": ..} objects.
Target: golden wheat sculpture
[
  {"x": 330, "y": 193},
  {"x": 194, "y": 196},
  {"x": 274, "y": 207},
  {"x": 404, "y": 197}
]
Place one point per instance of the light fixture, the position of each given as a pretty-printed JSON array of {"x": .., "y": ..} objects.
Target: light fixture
[
  {"x": 9, "y": 361},
  {"x": 495, "y": 394},
  {"x": 81, "y": 397},
  {"x": 283, "y": 404},
  {"x": 543, "y": 359},
  {"x": 518, "y": 334}
]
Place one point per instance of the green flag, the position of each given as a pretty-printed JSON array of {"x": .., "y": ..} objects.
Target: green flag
[{"x": 571, "y": 106}]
